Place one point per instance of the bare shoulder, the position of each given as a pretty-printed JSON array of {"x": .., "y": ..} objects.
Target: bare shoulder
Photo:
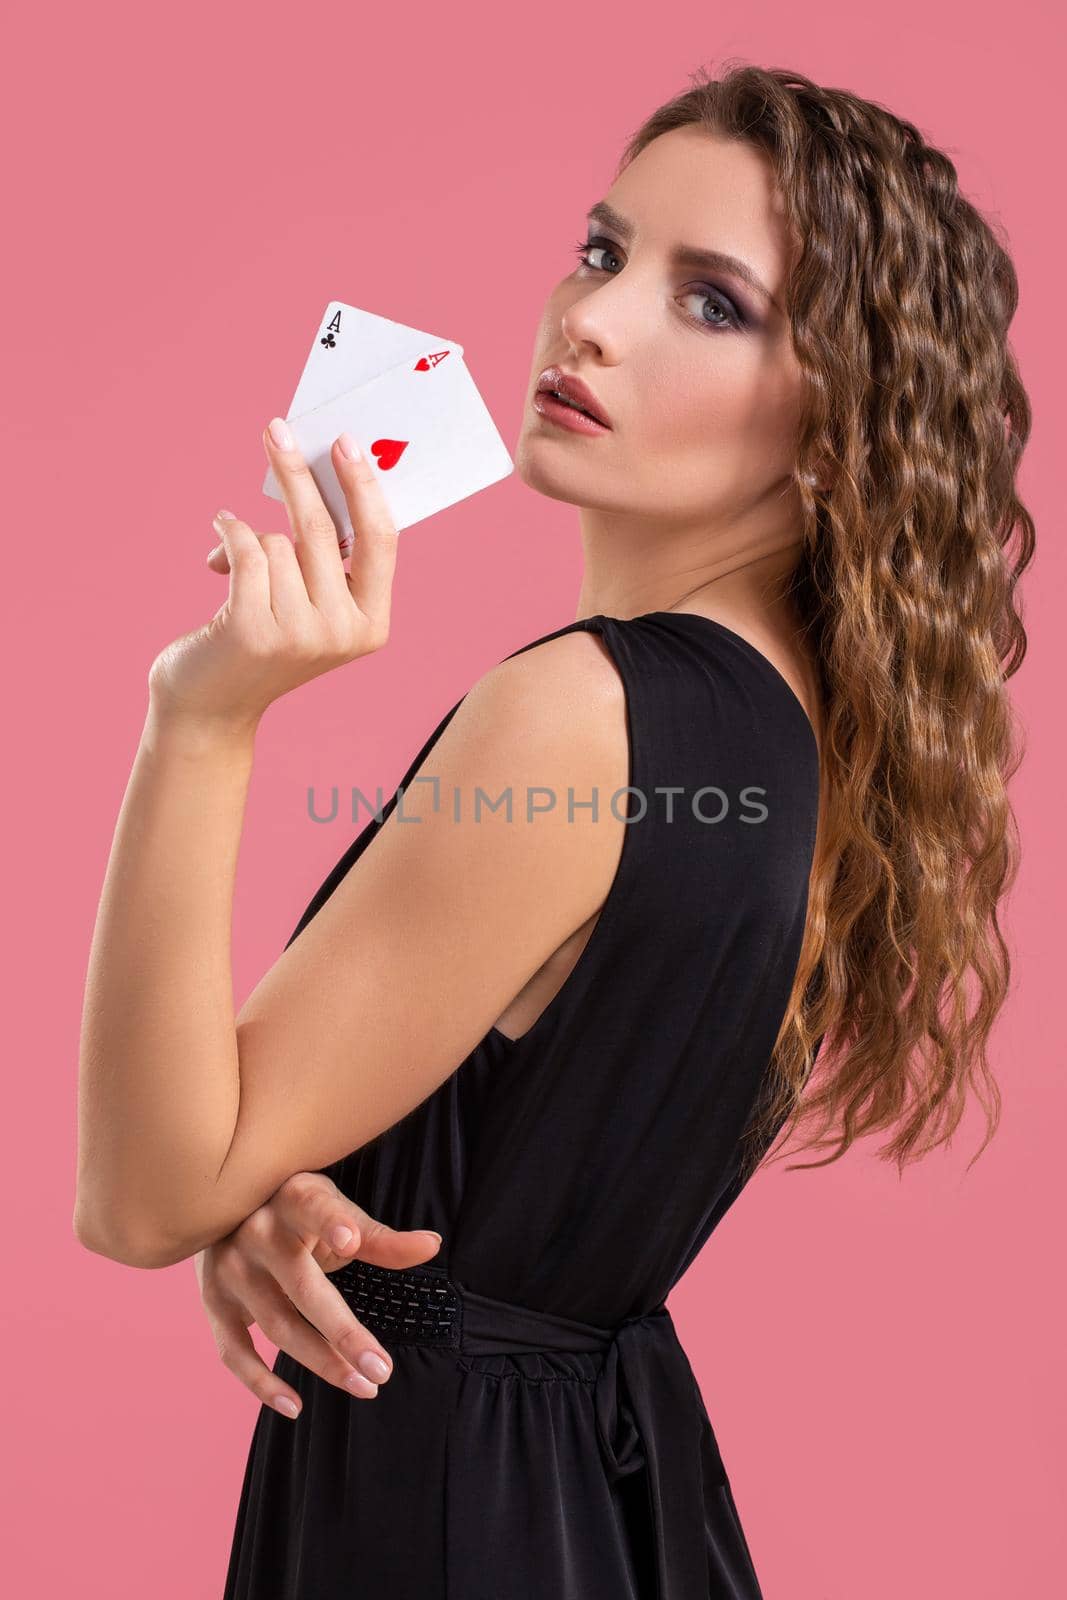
[
  {"x": 564, "y": 691},
  {"x": 546, "y": 727}
]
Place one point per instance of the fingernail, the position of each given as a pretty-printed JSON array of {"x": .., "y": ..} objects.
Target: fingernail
[
  {"x": 283, "y": 1404},
  {"x": 224, "y": 516},
  {"x": 280, "y": 434},
  {"x": 433, "y": 1235},
  {"x": 340, "y": 1237},
  {"x": 373, "y": 1367},
  {"x": 214, "y": 552},
  {"x": 349, "y": 447}
]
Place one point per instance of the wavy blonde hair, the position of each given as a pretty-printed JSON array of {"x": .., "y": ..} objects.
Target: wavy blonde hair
[{"x": 899, "y": 296}]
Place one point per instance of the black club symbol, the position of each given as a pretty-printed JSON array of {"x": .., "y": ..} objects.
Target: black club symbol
[{"x": 330, "y": 342}]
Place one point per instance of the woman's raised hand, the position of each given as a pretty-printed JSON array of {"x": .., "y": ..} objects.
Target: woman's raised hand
[
  {"x": 271, "y": 1270},
  {"x": 292, "y": 612}
]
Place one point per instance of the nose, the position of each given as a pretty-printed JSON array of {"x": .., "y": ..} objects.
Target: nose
[{"x": 585, "y": 324}]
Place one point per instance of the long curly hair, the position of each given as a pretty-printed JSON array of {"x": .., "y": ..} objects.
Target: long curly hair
[{"x": 899, "y": 296}]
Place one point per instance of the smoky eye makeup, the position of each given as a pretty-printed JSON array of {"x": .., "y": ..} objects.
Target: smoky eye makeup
[{"x": 735, "y": 313}]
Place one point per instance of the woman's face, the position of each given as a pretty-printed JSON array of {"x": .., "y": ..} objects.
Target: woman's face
[{"x": 692, "y": 364}]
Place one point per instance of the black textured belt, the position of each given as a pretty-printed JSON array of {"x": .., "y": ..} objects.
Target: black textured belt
[{"x": 649, "y": 1411}]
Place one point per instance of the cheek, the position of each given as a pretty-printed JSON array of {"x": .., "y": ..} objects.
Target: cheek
[
  {"x": 697, "y": 407},
  {"x": 733, "y": 409}
]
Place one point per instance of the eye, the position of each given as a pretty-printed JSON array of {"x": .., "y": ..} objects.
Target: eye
[
  {"x": 729, "y": 315},
  {"x": 584, "y": 246},
  {"x": 712, "y": 297}
]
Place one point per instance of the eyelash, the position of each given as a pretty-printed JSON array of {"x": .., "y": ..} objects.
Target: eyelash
[{"x": 583, "y": 247}]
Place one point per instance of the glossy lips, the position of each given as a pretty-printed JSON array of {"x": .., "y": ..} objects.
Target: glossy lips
[{"x": 555, "y": 380}]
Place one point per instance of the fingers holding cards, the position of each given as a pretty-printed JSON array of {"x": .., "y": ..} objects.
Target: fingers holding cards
[
  {"x": 318, "y": 570},
  {"x": 315, "y": 531}
]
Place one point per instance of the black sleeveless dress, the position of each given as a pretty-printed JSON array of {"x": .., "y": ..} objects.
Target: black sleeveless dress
[{"x": 542, "y": 1436}]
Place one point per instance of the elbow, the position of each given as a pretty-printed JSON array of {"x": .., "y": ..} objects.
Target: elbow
[{"x": 118, "y": 1244}]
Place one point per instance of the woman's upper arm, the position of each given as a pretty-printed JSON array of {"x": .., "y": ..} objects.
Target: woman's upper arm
[{"x": 438, "y": 924}]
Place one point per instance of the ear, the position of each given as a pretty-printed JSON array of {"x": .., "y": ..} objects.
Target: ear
[{"x": 819, "y": 477}]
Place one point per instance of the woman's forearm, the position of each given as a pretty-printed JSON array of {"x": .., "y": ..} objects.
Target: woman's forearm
[{"x": 159, "y": 1085}]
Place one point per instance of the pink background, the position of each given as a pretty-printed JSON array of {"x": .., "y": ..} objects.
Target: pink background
[{"x": 186, "y": 190}]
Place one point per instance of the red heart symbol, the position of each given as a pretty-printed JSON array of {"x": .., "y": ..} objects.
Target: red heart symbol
[
  {"x": 427, "y": 363},
  {"x": 388, "y": 451}
]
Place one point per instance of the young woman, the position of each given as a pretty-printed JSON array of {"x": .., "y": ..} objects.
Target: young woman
[{"x": 564, "y": 1035}]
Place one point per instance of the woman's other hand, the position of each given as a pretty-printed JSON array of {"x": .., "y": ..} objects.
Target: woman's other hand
[{"x": 272, "y": 1271}]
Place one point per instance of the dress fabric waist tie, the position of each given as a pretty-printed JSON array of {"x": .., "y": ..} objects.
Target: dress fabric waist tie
[{"x": 649, "y": 1412}]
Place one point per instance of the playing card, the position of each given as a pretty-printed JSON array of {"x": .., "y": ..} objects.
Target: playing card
[
  {"x": 425, "y": 429},
  {"x": 350, "y": 348}
]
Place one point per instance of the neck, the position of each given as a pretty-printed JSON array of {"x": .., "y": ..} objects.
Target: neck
[{"x": 631, "y": 569}]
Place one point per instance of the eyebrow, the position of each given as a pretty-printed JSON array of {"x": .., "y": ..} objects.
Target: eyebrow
[{"x": 685, "y": 255}]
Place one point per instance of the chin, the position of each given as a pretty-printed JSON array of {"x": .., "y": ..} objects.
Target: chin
[
  {"x": 551, "y": 464},
  {"x": 542, "y": 469}
]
